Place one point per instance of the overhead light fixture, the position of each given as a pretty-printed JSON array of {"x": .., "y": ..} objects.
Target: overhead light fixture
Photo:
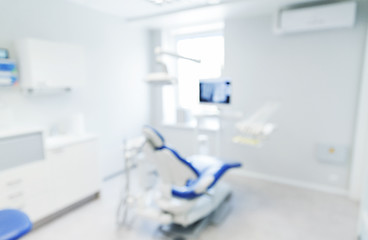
[
  {"x": 164, "y": 2},
  {"x": 163, "y": 77},
  {"x": 213, "y": 2},
  {"x": 160, "y": 78}
]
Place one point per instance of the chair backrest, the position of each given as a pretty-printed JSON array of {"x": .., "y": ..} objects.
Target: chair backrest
[{"x": 173, "y": 169}]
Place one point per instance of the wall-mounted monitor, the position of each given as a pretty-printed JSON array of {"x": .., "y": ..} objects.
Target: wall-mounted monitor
[{"x": 215, "y": 91}]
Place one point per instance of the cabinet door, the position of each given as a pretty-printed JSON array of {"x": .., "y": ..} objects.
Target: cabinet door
[
  {"x": 74, "y": 173},
  {"x": 48, "y": 64}
]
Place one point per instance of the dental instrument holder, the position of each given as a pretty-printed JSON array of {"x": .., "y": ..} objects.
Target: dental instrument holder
[{"x": 132, "y": 148}]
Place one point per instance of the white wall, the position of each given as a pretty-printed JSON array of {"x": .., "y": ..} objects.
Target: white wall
[
  {"x": 314, "y": 75},
  {"x": 114, "y": 100}
]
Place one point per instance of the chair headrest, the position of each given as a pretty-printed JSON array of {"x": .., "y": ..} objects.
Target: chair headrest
[{"x": 153, "y": 136}]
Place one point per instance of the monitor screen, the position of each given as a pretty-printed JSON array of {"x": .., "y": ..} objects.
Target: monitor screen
[{"x": 217, "y": 91}]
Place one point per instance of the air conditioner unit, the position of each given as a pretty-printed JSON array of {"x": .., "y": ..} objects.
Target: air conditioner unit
[{"x": 317, "y": 17}]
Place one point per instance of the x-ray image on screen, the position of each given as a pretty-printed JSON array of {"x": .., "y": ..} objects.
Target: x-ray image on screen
[{"x": 215, "y": 91}]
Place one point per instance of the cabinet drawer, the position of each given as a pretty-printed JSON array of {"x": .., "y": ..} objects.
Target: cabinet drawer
[
  {"x": 15, "y": 199},
  {"x": 31, "y": 179}
]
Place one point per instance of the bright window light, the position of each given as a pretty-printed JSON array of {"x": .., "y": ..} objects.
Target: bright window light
[{"x": 210, "y": 50}]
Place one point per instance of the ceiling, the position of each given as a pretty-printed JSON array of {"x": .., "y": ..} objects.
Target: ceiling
[
  {"x": 183, "y": 11},
  {"x": 137, "y": 8}
]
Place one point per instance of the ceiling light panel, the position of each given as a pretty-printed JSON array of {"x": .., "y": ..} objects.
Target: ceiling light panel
[{"x": 169, "y": 2}]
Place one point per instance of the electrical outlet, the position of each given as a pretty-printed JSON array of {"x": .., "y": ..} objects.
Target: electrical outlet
[{"x": 331, "y": 153}]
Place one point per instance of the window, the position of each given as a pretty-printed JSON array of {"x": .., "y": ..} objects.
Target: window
[{"x": 209, "y": 48}]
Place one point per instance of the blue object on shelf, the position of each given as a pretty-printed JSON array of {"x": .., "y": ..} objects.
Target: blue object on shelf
[
  {"x": 8, "y": 66},
  {"x": 13, "y": 224},
  {"x": 8, "y": 72}
]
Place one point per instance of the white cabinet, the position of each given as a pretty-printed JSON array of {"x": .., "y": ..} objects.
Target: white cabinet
[
  {"x": 74, "y": 170},
  {"x": 47, "y": 65},
  {"x": 67, "y": 174}
]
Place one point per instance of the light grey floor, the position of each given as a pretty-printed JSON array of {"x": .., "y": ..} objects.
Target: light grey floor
[{"x": 261, "y": 211}]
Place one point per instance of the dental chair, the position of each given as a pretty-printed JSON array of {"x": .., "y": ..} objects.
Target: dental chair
[{"x": 189, "y": 189}]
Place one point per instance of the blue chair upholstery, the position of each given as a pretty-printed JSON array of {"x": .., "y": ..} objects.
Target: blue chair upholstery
[
  {"x": 204, "y": 168},
  {"x": 13, "y": 224}
]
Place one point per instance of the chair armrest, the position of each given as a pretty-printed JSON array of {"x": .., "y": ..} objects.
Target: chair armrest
[
  {"x": 206, "y": 180},
  {"x": 203, "y": 183}
]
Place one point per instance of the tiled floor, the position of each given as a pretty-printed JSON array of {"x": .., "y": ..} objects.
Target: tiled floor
[{"x": 261, "y": 211}]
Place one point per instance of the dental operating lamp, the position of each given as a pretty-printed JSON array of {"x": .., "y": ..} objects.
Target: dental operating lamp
[{"x": 163, "y": 77}]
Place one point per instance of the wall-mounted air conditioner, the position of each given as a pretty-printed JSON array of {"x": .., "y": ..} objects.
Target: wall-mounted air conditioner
[{"x": 318, "y": 17}]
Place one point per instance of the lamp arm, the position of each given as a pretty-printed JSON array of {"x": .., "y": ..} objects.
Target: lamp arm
[{"x": 159, "y": 51}]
